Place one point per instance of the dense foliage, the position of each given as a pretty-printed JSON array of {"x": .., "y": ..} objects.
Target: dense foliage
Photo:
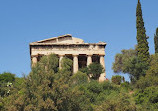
[
  {"x": 6, "y": 81},
  {"x": 147, "y": 87},
  {"x": 127, "y": 62},
  {"x": 49, "y": 88},
  {"x": 135, "y": 62},
  {"x": 142, "y": 43},
  {"x": 7, "y": 77},
  {"x": 141, "y": 67},
  {"x": 156, "y": 41},
  {"x": 94, "y": 70},
  {"x": 117, "y": 79}
]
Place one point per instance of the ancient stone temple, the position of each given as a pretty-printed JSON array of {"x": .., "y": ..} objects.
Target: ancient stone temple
[{"x": 81, "y": 53}]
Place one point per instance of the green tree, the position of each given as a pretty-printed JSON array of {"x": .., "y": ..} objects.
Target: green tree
[
  {"x": 122, "y": 59},
  {"x": 119, "y": 102},
  {"x": 135, "y": 62},
  {"x": 79, "y": 78},
  {"x": 145, "y": 82},
  {"x": 142, "y": 43},
  {"x": 6, "y": 81},
  {"x": 147, "y": 87},
  {"x": 127, "y": 62},
  {"x": 148, "y": 98},
  {"x": 94, "y": 70},
  {"x": 156, "y": 41},
  {"x": 37, "y": 90},
  {"x": 117, "y": 79},
  {"x": 67, "y": 64},
  {"x": 151, "y": 77},
  {"x": 47, "y": 89},
  {"x": 7, "y": 77},
  {"x": 153, "y": 68}
]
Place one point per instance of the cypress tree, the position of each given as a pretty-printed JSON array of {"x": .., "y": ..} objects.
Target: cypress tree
[
  {"x": 142, "y": 43},
  {"x": 156, "y": 41}
]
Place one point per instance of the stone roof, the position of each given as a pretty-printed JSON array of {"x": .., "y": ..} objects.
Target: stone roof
[{"x": 64, "y": 40}]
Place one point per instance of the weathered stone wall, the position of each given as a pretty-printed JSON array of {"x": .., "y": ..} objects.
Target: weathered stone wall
[{"x": 68, "y": 49}]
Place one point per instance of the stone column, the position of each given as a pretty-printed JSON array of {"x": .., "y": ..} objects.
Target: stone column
[
  {"x": 75, "y": 63},
  {"x": 102, "y": 62},
  {"x": 89, "y": 59},
  {"x": 34, "y": 60},
  {"x": 60, "y": 58}
]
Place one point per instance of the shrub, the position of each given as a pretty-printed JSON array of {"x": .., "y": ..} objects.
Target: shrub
[
  {"x": 120, "y": 102},
  {"x": 147, "y": 81},
  {"x": 79, "y": 78},
  {"x": 7, "y": 77},
  {"x": 94, "y": 70},
  {"x": 126, "y": 85},
  {"x": 148, "y": 98},
  {"x": 95, "y": 87},
  {"x": 84, "y": 70},
  {"x": 153, "y": 69},
  {"x": 66, "y": 64},
  {"x": 117, "y": 79}
]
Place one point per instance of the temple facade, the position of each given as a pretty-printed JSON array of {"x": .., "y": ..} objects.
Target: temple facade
[{"x": 81, "y": 53}]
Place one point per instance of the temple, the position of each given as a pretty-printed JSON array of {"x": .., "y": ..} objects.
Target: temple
[{"x": 81, "y": 53}]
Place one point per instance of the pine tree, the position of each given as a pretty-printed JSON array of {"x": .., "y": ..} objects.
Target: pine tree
[
  {"x": 156, "y": 41},
  {"x": 142, "y": 43}
]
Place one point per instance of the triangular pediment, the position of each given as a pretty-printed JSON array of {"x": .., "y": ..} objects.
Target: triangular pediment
[{"x": 64, "y": 39}]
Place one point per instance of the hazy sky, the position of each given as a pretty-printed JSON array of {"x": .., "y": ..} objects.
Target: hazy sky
[{"x": 111, "y": 21}]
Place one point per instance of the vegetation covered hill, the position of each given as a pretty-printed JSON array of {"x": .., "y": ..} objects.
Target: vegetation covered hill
[{"x": 47, "y": 88}]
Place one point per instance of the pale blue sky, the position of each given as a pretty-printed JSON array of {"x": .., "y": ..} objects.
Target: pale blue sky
[{"x": 112, "y": 21}]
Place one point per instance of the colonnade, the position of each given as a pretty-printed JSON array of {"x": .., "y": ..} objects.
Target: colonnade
[{"x": 75, "y": 61}]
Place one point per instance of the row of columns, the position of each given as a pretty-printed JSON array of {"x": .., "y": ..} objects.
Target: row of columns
[{"x": 75, "y": 61}]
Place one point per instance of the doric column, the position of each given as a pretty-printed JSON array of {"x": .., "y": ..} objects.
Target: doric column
[
  {"x": 102, "y": 62},
  {"x": 60, "y": 59},
  {"x": 34, "y": 60},
  {"x": 75, "y": 63},
  {"x": 89, "y": 59}
]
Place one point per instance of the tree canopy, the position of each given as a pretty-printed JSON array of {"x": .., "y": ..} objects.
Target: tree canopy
[
  {"x": 142, "y": 43},
  {"x": 156, "y": 41},
  {"x": 7, "y": 77}
]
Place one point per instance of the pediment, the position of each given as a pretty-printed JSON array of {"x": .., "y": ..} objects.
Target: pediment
[{"x": 64, "y": 39}]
